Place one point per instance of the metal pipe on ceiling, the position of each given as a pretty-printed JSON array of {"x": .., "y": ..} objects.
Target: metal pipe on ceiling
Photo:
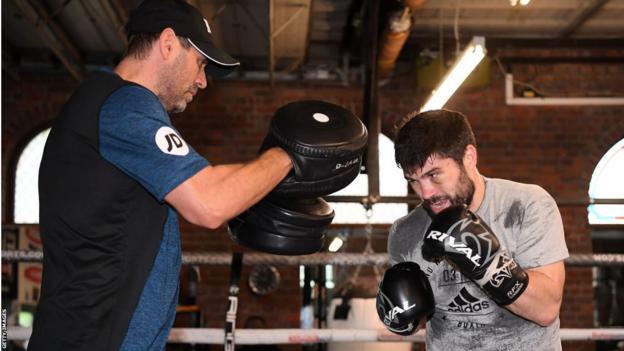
[
  {"x": 371, "y": 103},
  {"x": 379, "y": 63},
  {"x": 392, "y": 40},
  {"x": 271, "y": 48},
  {"x": 394, "y": 36}
]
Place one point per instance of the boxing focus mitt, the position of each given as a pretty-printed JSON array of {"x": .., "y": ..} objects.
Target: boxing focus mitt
[{"x": 325, "y": 142}]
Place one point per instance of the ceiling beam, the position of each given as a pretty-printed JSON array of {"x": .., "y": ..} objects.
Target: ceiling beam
[
  {"x": 120, "y": 10},
  {"x": 560, "y": 59},
  {"x": 300, "y": 10},
  {"x": 50, "y": 38},
  {"x": 252, "y": 18},
  {"x": 431, "y": 24},
  {"x": 475, "y": 5},
  {"x": 113, "y": 16},
  {"x": 432, "y": 42},
  {"x": 301, "y": 58},
  {"x": 581, "y": 18},
  {"x": 292, "y": 13},
  {"x": 48, "y": 19},
  {"x": 219, "y": 12},
  {"x": 90, "y": 12}
]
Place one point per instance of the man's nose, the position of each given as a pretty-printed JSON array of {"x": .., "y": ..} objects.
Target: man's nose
[
  {"x": 427, "y": 190},
  {"x": 201, "y": 80}
]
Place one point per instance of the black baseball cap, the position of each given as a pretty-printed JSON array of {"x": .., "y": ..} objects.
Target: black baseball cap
[{"x": 153, "y": 16}]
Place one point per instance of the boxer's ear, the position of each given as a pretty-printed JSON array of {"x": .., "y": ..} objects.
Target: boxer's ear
[{"x": 470, "y": 156}]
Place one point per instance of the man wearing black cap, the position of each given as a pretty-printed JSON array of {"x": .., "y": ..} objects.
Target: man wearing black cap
[{"x": 114, "y": 175}]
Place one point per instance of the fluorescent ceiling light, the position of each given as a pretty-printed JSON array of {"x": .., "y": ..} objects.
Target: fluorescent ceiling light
[
  {"x": 469, "y": 59},
  {"x": 335, "y": 244},
  {"x": 521, "y": 2}
]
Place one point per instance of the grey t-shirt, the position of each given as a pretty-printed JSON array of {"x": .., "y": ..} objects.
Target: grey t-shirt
[{"x": 526, "y": 220}]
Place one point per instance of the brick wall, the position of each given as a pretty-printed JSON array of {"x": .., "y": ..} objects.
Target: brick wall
[
  {"x": 554, "y": 146},
  {"x": 28, "y": 106}
]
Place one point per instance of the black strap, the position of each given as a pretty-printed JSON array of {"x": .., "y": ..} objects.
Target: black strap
[
  {"x": 342, "y": 310},
  {"x": 230, "y": 314}
]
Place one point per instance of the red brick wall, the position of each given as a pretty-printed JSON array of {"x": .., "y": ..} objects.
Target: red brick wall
[
  {"x": 556, "y": 147},
  {"x": 28, "y": 106}
]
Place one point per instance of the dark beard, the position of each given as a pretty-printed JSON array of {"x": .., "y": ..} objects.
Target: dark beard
[
  {"x": 464, "y": 195},
  {"x": 169, "y": 94}
]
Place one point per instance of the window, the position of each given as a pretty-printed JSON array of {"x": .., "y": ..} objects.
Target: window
[
  {"x": 607, "y": 183},
  {"x": 26, "y": 199},
  {"x": 391, "y": 183}
]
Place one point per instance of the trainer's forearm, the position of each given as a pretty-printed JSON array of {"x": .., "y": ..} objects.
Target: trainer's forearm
[
  {"x": 218, "y": 193},
  {"x": 234, "y": 188}
]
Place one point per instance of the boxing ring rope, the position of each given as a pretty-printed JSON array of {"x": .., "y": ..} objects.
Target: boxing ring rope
[
  {"x": 303, "y": 336},
  {"x": 338, "y": 259},
  {"x": 414, "y": 200}
]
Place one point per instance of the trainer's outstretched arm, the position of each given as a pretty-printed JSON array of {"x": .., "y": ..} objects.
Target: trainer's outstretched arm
[{"x": 217, "y": 193}]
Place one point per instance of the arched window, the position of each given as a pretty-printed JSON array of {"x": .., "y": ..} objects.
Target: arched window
[
  {"x": 608, "y": 183},
  {"x": 26, "y": 195},
  {"x": 391, "y": 183}
]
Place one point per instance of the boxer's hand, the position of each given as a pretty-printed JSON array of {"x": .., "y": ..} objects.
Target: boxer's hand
[
  {"x": 404, "y": 299},
  {"x": 468, "y": 243}
]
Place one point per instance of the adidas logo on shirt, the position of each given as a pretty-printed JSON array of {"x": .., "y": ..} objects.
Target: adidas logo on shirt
[{"x": 464, "y": 302}]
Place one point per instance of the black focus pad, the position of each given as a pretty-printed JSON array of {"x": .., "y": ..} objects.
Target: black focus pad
[
  {"x": 326, "y": 143},
  {"x": 284, "y": 227},
  {"x": 313, "y": 212},
  {"x": 276, "y": 225},
  {"x": 291, "y": 187},
  {"x": 404, "y": 297},
  {"x": 257, "y": 238}
]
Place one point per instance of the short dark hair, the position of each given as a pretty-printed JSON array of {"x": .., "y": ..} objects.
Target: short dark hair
[
  {"x": 140, "y": 44},
  {"x": 444, "y": 133}
]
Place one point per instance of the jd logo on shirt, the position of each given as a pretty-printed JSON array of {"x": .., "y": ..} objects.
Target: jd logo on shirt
[{"x": 170, "y": 142}]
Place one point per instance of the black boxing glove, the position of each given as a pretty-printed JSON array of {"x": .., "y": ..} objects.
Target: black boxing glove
[
  {"x": 325, "y": 142},
  {"x": 468, "y": 243},
  {"x": 404, "y": 297}
]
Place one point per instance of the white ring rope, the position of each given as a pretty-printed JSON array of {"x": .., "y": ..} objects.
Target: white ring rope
[
  {"x": 287, "y": 336},
  {"x": 302, "y": 336},
  {"x": 338, "y": 259}
]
